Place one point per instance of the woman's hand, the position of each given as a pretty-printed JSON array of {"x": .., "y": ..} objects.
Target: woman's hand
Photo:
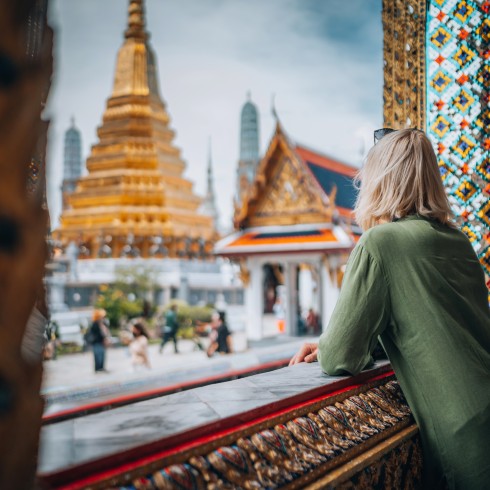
[{"x": 307, "y": 353}]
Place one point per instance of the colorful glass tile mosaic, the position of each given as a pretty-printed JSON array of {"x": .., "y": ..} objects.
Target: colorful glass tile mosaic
[{"x": 458, "y": 110}]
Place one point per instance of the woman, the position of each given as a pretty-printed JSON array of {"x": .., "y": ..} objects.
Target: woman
[
  {"x": 139, "y": 347},
  {"x": 414, "y": 280},
  {"x": 99, "y": 338},
  {"x": 220, "y": 335}
]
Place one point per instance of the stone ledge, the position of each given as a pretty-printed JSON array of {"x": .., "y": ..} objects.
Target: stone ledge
[{"x": 160, "y": 435}]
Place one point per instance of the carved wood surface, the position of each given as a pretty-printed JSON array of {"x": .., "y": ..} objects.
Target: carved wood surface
[{"x": 24, "y": 82}]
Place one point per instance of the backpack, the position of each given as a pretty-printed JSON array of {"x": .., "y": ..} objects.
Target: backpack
[{"x": 89, "y": 336}]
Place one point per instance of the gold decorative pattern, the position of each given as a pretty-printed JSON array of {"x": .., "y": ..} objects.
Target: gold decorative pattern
[
  {"x": 404, "y": 63},
  {"x": 284, "y": 192},
  {"x": 244, "y": 273}
]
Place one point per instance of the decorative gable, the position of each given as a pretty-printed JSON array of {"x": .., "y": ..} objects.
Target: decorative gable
[{"x": 284, "y": 192}]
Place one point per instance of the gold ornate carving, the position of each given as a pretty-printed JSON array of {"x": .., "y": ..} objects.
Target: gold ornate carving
[
  {"x": 286, "y": 193},
  {"x": 283, "y": 192},
  {"x": 244, "y": 273},
  {"x": 26, "y": 74},
  {"x": 404, "y": 63}
]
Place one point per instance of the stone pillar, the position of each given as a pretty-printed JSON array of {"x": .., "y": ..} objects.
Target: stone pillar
[
  {"x": 254, "y": 300},
  {"x": 72, "y": 255},
  {"x": 184, "y": 288},
  {"x": 167, "y": 295},
  {"x": 56, "y": 290},
  {"x": 306, "y": 285},
  {"x": 290, "y": 277}
]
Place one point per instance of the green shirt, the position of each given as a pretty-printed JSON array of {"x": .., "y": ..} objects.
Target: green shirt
[
  {"x": 171, "y": 320},
  {"x": 419, "y": 286}
]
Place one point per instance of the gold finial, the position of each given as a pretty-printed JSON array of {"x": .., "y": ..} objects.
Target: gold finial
[{"x": 136, "y": 20}]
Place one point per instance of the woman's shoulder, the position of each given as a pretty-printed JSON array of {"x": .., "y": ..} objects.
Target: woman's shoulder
[
  {"x": 379, "y": 236},
  {"x": 411, "y": 235}
]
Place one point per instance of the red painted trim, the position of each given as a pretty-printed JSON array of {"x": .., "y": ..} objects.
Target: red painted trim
[
  {"x": 310, "y": 156},
  {"x": 75, "y": 478},
  {"x": 348, "y": 213},
  {"x": 120, "y": 401}
]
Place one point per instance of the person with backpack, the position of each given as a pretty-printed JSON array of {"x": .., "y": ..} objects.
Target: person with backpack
[{"x": 98, "y": 336}]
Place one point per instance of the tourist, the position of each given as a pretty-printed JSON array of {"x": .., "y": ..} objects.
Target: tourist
[
  {"x": 280, "y": 314},
  {"x": 415, "y": 280},
  {"x": 312, "y": 323},
  {"x": 52, "y": 336},
  {"x": 170, "y": 328},
  {"x": 210, "y": 330},
  {"x": 138, "y": 347},
  {"x": 99, "y": 337},
  {"x": 220, "y": 336}
]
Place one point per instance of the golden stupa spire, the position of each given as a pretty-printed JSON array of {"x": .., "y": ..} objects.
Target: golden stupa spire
[
  {"x": 136, "y": 21},
  {"x": 135, "y": 185}
]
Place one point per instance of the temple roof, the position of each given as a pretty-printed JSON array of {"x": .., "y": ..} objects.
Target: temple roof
[
  {"x": 294, "y": 203},
  {"x": 295, "y": 184},
  {"x": 330, "y": 173}
]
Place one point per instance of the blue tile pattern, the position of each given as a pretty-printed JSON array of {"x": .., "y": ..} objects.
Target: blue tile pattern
[{"x": 458, "y": 110}]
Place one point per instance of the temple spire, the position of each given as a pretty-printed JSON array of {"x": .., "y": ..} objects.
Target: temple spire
[
  {"x": 136, "y": 21},
  {"x": 249, "y": 147},
  {"x": 148, "y": 195},
  {"x": 209, "y": 207}
]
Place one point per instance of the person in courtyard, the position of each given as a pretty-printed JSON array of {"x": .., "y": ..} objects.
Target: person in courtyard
[
  {"x": 414, "y": 280},
  {"x": 99, "y": 338},
  {"x": 170, "y": 328},
  {"x": 52, "y": 336},
  {"x": 280, "y": 314},
  {"x": 138, "y": 347},
  {"x": 220, "y": 336},
  {"x": 210, "y": 330},
  {"x": 312, "y": 323}
]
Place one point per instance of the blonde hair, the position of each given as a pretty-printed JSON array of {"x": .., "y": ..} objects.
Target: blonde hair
[{"x": 400, "y": 176}]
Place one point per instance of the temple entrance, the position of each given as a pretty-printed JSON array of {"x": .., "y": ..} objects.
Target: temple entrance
[
  {"x": 290, "y": 294},
  {"x": 292, "y": 303}
]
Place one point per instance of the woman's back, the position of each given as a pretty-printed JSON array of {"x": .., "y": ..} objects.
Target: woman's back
[{"x": 419, "y": 285}]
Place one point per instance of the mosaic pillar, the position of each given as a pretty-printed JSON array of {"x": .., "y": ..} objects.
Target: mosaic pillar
[
  {"x": 437, "y": 78},
  {"x": 458, "y": 110}
]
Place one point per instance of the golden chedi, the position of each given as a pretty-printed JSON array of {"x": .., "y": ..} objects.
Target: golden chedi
[{"x": 134, "y": 200}]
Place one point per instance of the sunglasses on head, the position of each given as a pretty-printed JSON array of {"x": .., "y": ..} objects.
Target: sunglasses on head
[{"x": 381, "y": 133}]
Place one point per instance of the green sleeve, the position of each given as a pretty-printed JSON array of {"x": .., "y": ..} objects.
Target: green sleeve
[{"x": 361, "y": 314}]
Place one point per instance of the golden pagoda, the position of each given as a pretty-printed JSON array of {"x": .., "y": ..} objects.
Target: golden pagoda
[{"x": 134, "y": 200}]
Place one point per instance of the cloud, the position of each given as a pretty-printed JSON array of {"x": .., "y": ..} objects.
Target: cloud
[{"x": 322, "y": 59}]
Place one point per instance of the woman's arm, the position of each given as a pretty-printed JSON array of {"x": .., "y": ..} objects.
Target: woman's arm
[{"x": 361, "y": 314}]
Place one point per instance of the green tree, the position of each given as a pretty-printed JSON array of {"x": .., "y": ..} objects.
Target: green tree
[
  {"x": 139, "y": 280},
  {"x": 130, "y": 295},
  {"x": 117, "y": 305}
]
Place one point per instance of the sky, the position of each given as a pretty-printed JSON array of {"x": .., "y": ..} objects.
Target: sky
[{"x": 320, "y": 59}]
